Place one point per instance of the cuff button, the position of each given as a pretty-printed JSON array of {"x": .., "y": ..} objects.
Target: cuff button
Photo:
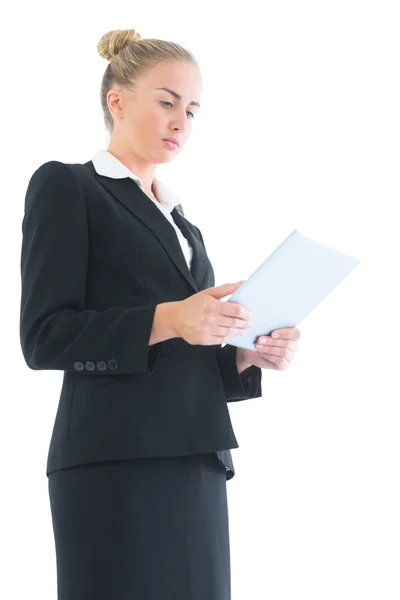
[{"x": 112, "y": 364}]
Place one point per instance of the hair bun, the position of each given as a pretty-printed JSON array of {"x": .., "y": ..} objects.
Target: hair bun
[{"x": 114, "y": 41}]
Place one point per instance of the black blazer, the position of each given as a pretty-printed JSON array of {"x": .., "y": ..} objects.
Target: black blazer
[{"x": 97, "y": 257}]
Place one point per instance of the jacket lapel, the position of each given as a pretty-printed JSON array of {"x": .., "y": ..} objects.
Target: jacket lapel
[
  {"x": 200, "y": 266},
  {"x": 128, "y": 193}
]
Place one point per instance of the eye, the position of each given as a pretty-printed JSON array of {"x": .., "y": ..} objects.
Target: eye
[{"x": 166, "y": 102}]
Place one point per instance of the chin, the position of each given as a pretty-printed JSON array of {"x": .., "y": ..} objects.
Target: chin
[{"x": 167, "y": 156}]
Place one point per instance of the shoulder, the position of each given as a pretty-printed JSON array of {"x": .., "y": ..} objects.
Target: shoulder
[
  {"x": 52, "y": 184},
  {"x": 53, "y": 168},
  {"x": 55, "y": 173}
]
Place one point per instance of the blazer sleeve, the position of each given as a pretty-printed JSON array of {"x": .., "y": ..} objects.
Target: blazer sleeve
[
  {"x": 56, "y": 331},
  {"x": 237, "y": 386}
]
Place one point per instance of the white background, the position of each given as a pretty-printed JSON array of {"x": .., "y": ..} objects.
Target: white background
[{"x": 299, "y": 128}]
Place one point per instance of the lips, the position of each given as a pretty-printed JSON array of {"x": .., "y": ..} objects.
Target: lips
[{"x": 173, "y": 140}]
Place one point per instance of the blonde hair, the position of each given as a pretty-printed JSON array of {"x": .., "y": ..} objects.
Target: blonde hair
[{"x": 130, "y": 56}]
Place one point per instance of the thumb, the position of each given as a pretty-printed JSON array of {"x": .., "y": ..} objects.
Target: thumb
[{"x": 223, "y": 290}]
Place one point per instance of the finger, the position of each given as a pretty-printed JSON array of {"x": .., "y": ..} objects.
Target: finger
[
  {"x": 229, "y": 332},
  {"x": 225, "y": 333},
  {"x": 222, "y": 334},
  {"x": 275, "y": 351},
  {"x": 236, "y": 310},
  {"x": 280, "y": 362},
  {"x": 271, "y": 342},
  {"x": 288, "y": 333},
  {"x": 236, "y": 322}
]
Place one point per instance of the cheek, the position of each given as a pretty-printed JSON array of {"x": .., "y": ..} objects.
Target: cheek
[{"x": 152, "y": 124}]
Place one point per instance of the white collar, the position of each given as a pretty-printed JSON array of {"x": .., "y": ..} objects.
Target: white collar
[{"x": 107, "y": 164}]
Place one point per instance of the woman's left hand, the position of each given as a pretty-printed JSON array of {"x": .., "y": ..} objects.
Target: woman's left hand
[{"x": 274, "y": 353}]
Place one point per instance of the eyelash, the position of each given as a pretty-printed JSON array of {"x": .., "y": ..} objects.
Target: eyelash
[{"x": 166, "y": 102}]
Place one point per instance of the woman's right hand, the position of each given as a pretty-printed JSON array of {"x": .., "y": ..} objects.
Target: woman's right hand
[{"x": 203, "y": 319}]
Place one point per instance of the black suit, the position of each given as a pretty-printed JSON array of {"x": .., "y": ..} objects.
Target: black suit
[{"x": 97, "y": 257}]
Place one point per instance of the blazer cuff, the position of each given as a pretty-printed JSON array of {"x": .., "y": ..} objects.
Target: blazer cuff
[{"x": 237, "y": 386}]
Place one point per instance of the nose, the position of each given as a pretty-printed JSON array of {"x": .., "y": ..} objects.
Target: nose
[{"x": 180, "y": 123}]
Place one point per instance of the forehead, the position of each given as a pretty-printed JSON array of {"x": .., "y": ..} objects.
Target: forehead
[{"x": 180, "y": 76}]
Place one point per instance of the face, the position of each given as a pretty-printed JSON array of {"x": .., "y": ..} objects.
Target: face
[{"x": 144, "y": 117}]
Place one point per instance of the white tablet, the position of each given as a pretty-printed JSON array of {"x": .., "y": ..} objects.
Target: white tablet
[{"x": 288, "y": 285}]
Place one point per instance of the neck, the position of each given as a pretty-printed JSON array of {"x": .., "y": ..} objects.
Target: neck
[{"x": 146, "y": 171}]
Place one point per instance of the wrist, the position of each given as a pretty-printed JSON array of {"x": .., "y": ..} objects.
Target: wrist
[
  {"x": 163, "y": 323},
  {"x": 241, "y": 364},
  {"x": 171, "y": 318},
  {"x": 242, "y": 367}
]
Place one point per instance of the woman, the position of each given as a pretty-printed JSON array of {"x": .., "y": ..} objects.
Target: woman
[{"x": 117, "y": 292}]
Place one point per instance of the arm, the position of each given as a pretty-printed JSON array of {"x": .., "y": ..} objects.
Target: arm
[
  {"x": 239, "y": 384},
  {"x": 241, "y": 366},
  {"x": 241, "y": 381},
  {"x": 163, "y": 323},
  {"x": 56, "y": 331}
]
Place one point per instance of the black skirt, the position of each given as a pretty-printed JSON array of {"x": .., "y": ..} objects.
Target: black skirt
[{"x": 142, "y": 529}]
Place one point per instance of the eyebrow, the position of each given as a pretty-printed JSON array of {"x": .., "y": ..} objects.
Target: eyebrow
[{"x": 177, "y": 95}]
